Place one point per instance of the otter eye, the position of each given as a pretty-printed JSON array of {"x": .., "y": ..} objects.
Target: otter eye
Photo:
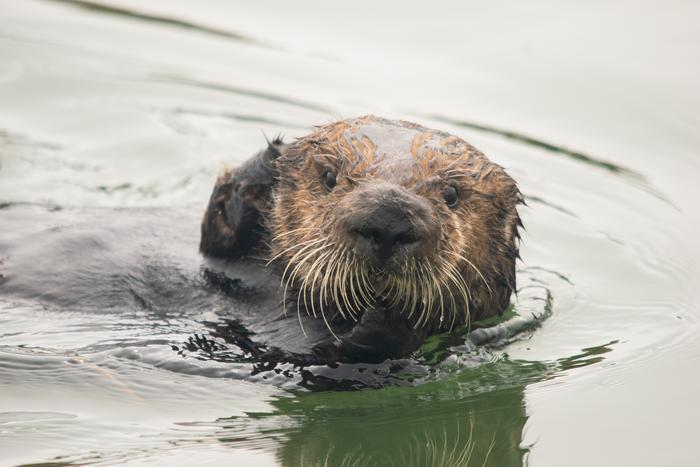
[
  {"x": 328, "y": 179},
  {"x": 450, "y": 195}
]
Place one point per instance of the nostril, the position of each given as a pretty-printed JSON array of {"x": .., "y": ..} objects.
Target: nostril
[
  {"x": 405, "y": 238},
  {"x": 386, "y": 237}
]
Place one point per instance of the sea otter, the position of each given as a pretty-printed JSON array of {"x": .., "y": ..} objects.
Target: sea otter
[{"x": 386, "y": 231}]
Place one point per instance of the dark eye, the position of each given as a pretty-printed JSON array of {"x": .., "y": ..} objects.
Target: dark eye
[
  {"x": 328, "y": 179},
  {"x": 451, "y": 196}
]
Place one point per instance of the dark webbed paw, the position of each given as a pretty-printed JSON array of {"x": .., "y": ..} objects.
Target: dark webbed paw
[
  {"x": 232, "y": 222},
  {"x": 379, "y": 335}
]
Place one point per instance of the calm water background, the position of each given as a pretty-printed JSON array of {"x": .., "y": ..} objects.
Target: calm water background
[{"x": 594, "y": 108}]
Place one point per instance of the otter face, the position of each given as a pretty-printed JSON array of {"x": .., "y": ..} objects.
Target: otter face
[{"x": 372, "y": 213}]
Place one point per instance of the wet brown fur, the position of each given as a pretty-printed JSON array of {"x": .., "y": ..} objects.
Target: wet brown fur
[{"x": 478, "y": 237}]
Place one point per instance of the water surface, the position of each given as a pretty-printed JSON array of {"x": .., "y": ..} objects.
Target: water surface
[{"x": 594, "y": 109}]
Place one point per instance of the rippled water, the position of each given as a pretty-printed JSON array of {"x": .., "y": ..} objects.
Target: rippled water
[{"x": 127, "y": 110}]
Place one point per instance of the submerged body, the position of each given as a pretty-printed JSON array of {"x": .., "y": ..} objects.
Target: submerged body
[
  {"x": 385, "y": 231},
  {"x": 352, "y": 244},
  {"x": 142, "y": 264}
]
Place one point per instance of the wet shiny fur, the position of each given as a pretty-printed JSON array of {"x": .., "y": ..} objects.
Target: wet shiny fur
[{"x": 385, "y": 231}]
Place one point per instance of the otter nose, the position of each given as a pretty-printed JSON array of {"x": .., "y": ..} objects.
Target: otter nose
[{"x": 385, "y": 232}]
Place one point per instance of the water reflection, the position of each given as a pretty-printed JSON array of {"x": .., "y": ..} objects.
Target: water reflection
[
  {"x": 471, "y": 418},
  {"x": 474, "y": 418},
  {"x": 418, "y": 427}
]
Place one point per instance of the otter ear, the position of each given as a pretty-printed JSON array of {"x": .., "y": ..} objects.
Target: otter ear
[{"x": 232, "y": 223}]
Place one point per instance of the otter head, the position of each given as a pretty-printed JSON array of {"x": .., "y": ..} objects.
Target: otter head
[{"x": 372, "y": 213}]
